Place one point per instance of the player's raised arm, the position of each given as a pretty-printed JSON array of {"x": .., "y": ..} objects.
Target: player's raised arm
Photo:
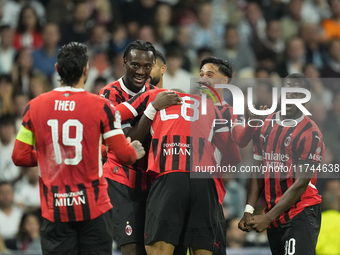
[
  {"x": 243, "y": 135},
  {"x": 23, "y": 152},
  {"x": 114, "y": 137}
]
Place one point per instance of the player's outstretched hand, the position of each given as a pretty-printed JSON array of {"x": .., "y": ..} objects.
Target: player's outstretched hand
[
  {"x": 138, "y": 147},
  {"x": 165, "y": 99},
  {"x": 259, "y": 222},
  {"x": 253, "y": 116},
  {"x": 243, "y": 222}
]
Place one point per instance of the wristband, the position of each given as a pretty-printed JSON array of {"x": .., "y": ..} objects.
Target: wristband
[
  {"x": 150, "y": 111},
  {"x": 249, "y": 209}
]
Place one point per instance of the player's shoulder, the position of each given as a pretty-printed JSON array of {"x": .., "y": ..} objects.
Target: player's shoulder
[
  {"x": 112, "y": 87},
  {"x": 149, "y": 86},
  {"x": 314, "y": 127}
]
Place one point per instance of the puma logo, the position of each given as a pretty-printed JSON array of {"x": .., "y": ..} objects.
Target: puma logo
[
  {"x": 264, "y": 137},
  {"x": 217, "y": 244},
  {"x": 317, "y": 137}
]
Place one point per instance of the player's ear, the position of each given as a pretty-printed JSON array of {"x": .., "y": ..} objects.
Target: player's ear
[
  {"x": 124, "y": 62},
  {"x": 86, "y": 69},
  {"x": 163, "y": 69},
  {"x": 225, "y": 80},
  {"x": 56, "y": 67}
]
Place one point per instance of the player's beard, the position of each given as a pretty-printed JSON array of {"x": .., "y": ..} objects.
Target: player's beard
[{"x": 155, "y": 80}]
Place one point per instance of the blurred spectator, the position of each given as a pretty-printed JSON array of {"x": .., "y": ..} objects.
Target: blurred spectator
[
  {"x": 76, "y": 30},
  {"x": 20, "y": 101},
  {"x": 318, "y": 91},
  {"x": 38, "y": 85},
  {"x": 8, "y": 171},
  {"x": 236, "y": 53},
  {"x": 333, "y": 186},
  {"x": 3, "y": 249},
  {"x": 118, "y": 69},
  {"x": 119, "y": 40},
  {"x": 236, "y": 238},
  {"x": 182, "y": 42},
  {"x": 28, "y": 237},
  {"x": 147, "y": 34},
  {"x": 252, "y": 25},
  {"x": 235, "y": 197},
  {"x": 22, "y": 70},
  {"x": 295, "y": 57},
  {"x": 99, "y": 83},
  {"x": 26, "y": 193},
  {"x": 331, "y": 67},
  {"x": 272, "y": 41},
  {"x": 331, "y": 26},
  {"x": 138, "y": 13},
  {"x": 184, "y": 12},
  {"x": 328, "y": 241},
  {"x": 45, "y": 58},
  {"x": 291, "y": 22},
  {"x": 164, "y": 32},
  {"x": 175, "y": 77},
  {"x": 101, "y": 10},
  {"x": 7, "y": 51},
  {"x": 99, "y": 40},
  {"x": 12, "y": 8},
  {"x": 6, "y": 93},
  {"x": 10, "y": 215},
  {"x": 28, "y": 30},
  {"x": 333, "y": 127},
  {"x": 59, "y": 12},
  {"x": 311, "y": 36},
  {"x": 205, "y": 33}
]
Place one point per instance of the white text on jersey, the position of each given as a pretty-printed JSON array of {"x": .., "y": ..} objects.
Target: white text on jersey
[{"x": 64, "y": 105}]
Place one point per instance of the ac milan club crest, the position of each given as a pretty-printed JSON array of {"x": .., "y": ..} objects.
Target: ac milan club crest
[
  {"x": 288, "y": 140},
  {"x": 318, "y": 150},
  {"x": 128, "y": 229}
]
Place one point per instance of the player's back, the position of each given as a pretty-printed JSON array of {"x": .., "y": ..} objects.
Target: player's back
[
  {"x": 68, "y": 124},
  {"x": 182, "y": 136}
]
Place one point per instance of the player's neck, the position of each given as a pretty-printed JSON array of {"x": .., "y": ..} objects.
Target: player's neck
[
  {"x": 160, "y": 84},
  {"x": 79, "y": 85}
]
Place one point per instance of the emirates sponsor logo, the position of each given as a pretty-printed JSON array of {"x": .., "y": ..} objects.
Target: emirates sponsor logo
[{"x": 275, "y": 156}]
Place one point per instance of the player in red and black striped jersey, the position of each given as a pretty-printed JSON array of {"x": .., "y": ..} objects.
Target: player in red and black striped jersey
[
  {"x": 292, "y": 212},
  {"x": 67, "y": 126},
  {"x": 129, "y": 184},
  {"x": 181, "y": 143},
  {"x": 217, "y": 71}
]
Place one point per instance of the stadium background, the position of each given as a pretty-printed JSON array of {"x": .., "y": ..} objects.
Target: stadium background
[{"x": 264, "y": 39}]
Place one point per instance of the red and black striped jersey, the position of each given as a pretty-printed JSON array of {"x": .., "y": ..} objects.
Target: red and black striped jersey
[
  {"x": 282, "y": 148},
  {"x": 69, "y": 125},
  {"x": 232, "y": 121},
  {"x": 133, "y": 176},
  {"x": 182, "y": 138}
]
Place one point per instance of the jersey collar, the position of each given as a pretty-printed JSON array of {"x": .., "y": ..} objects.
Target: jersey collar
[
  {"x": 69, "y": 88},
  {"x": 223, "y": 103},
  {"x": 131, "y": 93},
  {"x": 290, "y": 123}
]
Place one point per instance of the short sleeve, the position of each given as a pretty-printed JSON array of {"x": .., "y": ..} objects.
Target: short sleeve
[
  {"x": 111, "y": 121},
  {"x": 311, "y": 148}
]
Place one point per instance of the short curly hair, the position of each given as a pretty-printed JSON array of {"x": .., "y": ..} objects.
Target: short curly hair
[
  {"x": 140, "y": 45},
  {"x": 224, "y": 67},
  {"x": 72, "y": 58}
]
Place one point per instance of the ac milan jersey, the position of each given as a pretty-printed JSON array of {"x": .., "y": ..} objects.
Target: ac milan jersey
[
  {"x": 132, "y": 176},
  {"x": 68, "y": 125},
  {"x": 282, "y": 148},
  {"x": 181, "y": 136}
]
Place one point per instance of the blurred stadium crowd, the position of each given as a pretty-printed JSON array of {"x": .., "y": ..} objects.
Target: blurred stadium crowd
[{"x": 263, "y": 39}]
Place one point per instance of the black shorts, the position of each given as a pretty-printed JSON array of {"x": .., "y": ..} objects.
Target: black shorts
[
  {"x": 299, "y": 235},
  {"x": 181, "y": 210},
  {"x": 220, "y": 244},
  {"x": 88, "y": 237},
  {"x": 128, "y": 213}
]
